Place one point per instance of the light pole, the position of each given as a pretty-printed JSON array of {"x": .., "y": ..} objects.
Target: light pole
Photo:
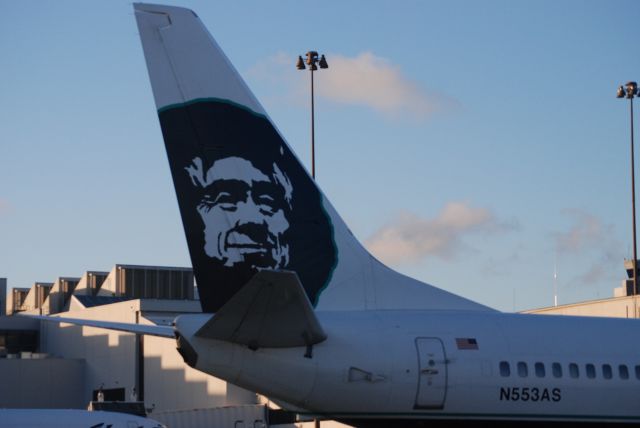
[
  {"x": 313, "y": 62},
  {"x": 630, "y": 90}
]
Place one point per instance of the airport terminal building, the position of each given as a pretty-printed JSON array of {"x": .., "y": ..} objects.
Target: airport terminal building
[{"x": 52, "y": 365}]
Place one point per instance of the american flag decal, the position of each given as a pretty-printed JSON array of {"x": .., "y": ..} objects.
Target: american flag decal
[{"x": 467, "y": 343}]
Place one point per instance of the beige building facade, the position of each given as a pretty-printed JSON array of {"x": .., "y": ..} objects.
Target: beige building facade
[
  {"x": 618, "y": 307},
  {"x": 72, "y": 363}
]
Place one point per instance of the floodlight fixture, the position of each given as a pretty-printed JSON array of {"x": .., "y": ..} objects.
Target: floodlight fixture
[
  {"x": 313, "y": 62},
  {"x": 629, "y": 91}
]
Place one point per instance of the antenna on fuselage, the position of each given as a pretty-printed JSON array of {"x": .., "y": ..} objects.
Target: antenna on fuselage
[{"x": 555, "y": 282}]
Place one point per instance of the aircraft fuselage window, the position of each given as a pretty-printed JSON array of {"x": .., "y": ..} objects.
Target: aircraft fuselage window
[
  {"x": 574, "y": 372},
  {"x": 591, "y": 371},
  {"x": 505, "y": 369},
  {"x": 522, "y": 369},
  {"x": 539, "y": 369},
  {"x": 607, "y": 373},
  {"x": 623, "y": 371}
]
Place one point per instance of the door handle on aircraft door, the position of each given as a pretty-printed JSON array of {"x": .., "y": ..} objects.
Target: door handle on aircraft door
[{"x": 429, "y": 371}]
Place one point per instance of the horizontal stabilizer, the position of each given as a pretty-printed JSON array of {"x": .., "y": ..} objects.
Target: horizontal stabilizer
[
  {"x": 271, "y": 311},
  {"x": 150, "y": 330}
]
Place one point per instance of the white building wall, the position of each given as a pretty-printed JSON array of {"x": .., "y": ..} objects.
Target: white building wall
[
  {"x": 42, "y": 383},
  {"x": 53, "y": 301},
  {"x": 169, "y": 384},
  {"x": 83, "y": 287},
  {"x": 29, "y": 303},
  {"x": 109, "y": 355},
  {"x": 172, "y": 385},
  {"x": 617, "y": 307},
  {"x": 109, "y": 285}
]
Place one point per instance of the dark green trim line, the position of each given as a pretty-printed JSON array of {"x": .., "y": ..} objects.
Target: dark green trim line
[
  {"x": 210, "y": 100},
  {"x": 335, "y": 248},
  {"x": 478, "y": 416}
]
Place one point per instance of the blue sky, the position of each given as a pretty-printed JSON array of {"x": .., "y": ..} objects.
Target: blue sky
[{"x": 473, "y": 145}]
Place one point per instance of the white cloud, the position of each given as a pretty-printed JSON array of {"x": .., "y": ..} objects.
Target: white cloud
[
  {"x": 503, "y": 265},
  {"x": 587, "y": 231},
  {"x": 596, "y": 274},
  {"x": 371, "y": 81},
  {"x": 592, "y": 241},
  {"x": 410, "y": 238},
  {"x": 365, "y": 80}
]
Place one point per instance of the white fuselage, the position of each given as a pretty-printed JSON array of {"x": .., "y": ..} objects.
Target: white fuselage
[
  {"x": 444, "y": 364},
  {"x": 71, "y": 418}
]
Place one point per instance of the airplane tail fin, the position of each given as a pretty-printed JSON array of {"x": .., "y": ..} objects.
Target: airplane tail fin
[{"x": 247, "y": 203}]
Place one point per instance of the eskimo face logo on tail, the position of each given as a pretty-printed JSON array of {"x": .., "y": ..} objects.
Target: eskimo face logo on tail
[
  {"x": 244, "y": 212},
  {"x": 246, "y": 202}
]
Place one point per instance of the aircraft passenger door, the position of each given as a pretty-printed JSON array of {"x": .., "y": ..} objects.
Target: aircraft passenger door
[{"x": 432, "y": 382}]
